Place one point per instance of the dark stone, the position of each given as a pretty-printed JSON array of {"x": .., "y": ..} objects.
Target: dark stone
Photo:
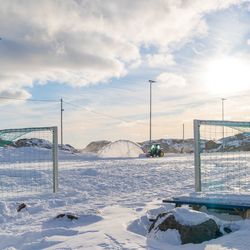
[
  {"x": 227, "y": 230},
  {"x": 60, "y": 216},
  {"x": 189, "y": 234},
  {"x": 72, "y": 217},
  {"x": 211, "y": 145},
  {"x": 21, "y": 206},
  {"x": 69, "y": 216}
]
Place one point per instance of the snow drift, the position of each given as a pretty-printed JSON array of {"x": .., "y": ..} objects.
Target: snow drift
[{"x": 121, "y": 149}]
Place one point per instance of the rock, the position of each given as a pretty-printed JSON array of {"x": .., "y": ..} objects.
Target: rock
[
  {"x": 69, "y": 216},
  {"x": 227, "y": 230},
  {"x": 21, "y": 207},
  {"x": 72, "y": 217},
  {"x": 60, "y": 216},
  {"x": 188, "y": 233},
  {"x": 211, "y": 145}
]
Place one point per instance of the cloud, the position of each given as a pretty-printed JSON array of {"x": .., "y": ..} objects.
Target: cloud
[
  {"x": 89, "y": 41},
  {"x": 160, "y": 60},
  {"x": 167, "y": 80},
  {"x": 13, "y": 96}
]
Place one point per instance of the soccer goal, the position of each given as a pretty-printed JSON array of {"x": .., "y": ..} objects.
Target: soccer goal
[
  {"x": 222, "y": 156},
  {"x": 28, "y": 161}
]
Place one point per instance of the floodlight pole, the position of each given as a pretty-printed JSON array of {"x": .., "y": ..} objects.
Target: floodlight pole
[
  {"x": 150, "y": 110},
  {"x": 183, "y": 132},
  {"x": 222, "y": 114},
  {"x": 62, "y": 121}
]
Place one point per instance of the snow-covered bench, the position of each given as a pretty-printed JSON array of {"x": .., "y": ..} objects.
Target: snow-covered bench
[{"x": 227, "y": 203}]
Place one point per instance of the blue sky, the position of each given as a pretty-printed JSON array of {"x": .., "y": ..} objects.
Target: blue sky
[{"x": 99, "y": 57}]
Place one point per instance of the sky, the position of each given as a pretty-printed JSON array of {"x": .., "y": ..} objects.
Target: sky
[{"x": 99, "y": 55}]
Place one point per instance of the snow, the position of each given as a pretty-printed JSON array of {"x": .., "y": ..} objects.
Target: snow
[
  {"x": 219, "y": 198},
  {"x": 121, "y": 149},
  {"x": 113, "y": 199},
  {"x": 170, "y": 237},
  {"x": 189, "y": 217}
]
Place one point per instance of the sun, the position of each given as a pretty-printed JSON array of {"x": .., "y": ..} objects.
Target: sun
[{"x": 226, "y": 75}]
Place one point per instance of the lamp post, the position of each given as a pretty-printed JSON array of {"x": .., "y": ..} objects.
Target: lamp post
[
  {"x": 62, "y": 109},
  {"x": 150, "y": 111},
  {"x": 222, "y": 114}
]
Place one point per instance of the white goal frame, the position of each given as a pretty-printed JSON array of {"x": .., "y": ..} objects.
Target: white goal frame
[
  {"x": 197, "y": 143},
  {"x": 54, "y": 132}
]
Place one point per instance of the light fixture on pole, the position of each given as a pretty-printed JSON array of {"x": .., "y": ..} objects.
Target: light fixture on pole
[{"x": 150, "y": 111}]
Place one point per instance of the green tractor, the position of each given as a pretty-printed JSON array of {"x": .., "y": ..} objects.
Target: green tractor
[{"x": 155, "y": 151}]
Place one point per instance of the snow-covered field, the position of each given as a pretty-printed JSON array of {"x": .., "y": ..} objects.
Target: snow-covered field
[{"x": 112, "y": 199}]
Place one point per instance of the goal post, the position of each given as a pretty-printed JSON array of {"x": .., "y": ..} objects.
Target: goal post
[
  {"x": 197, "y": 158},
  {"x": 28, "y": 161},
  {"x": 222, "y": 156}
]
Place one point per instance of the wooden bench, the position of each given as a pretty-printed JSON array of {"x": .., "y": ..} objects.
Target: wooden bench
[{"x": 237, "y": 209}]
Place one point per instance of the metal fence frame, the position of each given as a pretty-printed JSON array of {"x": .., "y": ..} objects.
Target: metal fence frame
[
  {"x": 54, "y": 131},
  {"x": 197, "y": 143}
]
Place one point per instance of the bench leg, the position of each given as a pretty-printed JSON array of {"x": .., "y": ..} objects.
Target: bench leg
[
  {"x": 196, "y": 207},
  {"x": 246, "y": 214}
]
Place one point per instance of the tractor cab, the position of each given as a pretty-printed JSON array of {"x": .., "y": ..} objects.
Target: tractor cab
[{"x": 155, "y": 151}]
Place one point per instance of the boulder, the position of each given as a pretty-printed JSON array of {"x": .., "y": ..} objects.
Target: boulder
[
  {"x": 211, "y": 145},
  {"x": 198, "y": 233}
]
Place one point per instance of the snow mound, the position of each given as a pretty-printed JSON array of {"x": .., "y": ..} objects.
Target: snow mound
[
  {"x": 96, "y": 146},
  {"x": 121, "y": 149},
  {"x": 190, "y": 217}
]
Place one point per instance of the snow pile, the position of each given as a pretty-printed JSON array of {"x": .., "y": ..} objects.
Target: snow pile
[
  {"x": 32, "y": 142},
  {"x": 95, "y": 146},
  {"x": 121, "y": 149}
]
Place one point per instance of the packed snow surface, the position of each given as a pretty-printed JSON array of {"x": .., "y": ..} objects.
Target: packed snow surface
[
  {"x": 121, "y": 149},
  {"x": 113, "y": 200}
]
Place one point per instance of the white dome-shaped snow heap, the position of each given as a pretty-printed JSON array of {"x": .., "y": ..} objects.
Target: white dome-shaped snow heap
[{"x": 121, "y": 149}]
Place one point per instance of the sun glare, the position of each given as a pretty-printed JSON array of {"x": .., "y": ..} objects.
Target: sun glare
[{"x": 226, "y": 76}]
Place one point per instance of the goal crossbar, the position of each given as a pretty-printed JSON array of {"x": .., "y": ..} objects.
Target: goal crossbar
[
  {"x": 236, "y": 124},
  {"x": 13, "y": 134}
]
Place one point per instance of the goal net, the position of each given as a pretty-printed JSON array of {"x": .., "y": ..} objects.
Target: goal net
[
  {"x": 28, "y": 161},
  {"x": 222, "y": 156}
]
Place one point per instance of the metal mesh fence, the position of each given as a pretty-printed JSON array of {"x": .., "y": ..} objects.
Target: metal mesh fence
[
  {"x": 28, "y": 161},
  {"x": 224, "y": 156}
]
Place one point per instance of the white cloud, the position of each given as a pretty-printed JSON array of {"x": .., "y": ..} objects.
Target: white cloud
[
  {"x": 160, "y": 60},
  {"x": 167, "y": 80},
  {"x": 89, "y": 41}
]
